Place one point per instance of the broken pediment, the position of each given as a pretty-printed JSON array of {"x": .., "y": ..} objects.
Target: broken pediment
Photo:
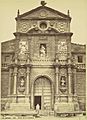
[{"x": 39, "y": 31}]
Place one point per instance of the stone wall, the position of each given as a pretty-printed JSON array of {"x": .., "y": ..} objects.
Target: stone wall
[
  {"x": 4, "y": 83},
  {"x": 81, "y": 88}
]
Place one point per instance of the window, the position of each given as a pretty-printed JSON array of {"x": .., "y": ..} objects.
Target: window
[
  {"x": 80, "y": 59},
  {"x": 43, "y": 25}
]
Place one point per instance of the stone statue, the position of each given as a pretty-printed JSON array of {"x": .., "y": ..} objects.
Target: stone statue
[
  {"x": 63, "y": 81},
  {"x": 43, "y": 3},
  {"x": 22, "y": 82},
  {"x": 42, "y": 51}
]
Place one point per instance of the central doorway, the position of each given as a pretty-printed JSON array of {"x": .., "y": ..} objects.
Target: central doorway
[
  {"x": 43, "y": 93},
  {"x": 37, "y": 100}
]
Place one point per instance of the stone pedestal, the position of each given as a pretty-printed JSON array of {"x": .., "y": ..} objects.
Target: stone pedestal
[
  {"x": 66, "y": 104},
  {"x": 19, "y": 107},
  {"x": 19, "y": 104}
]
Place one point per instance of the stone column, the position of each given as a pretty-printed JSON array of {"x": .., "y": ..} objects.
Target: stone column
[
  {"x": 10, "y": 76},
  {"x": 69, "y": 84},
  {"x": 74, "y": 81},
  {"x": 52, "y": 96},
  {"x": 32, "y": 97},
  {"x": 15, "y": 80},
  {"x": 28, "y": 81},
  {"x": 69, "y": 80},
  {"x": 57, "y": 79}
]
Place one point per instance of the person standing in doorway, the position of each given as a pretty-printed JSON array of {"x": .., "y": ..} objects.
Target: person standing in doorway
[{"x": 37, "y": 108}]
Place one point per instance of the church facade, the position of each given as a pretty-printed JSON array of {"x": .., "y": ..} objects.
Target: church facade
[{"x": 41, "y": 65}]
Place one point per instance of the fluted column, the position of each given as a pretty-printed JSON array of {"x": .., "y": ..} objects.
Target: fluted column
[
  {"x": 10, "y": 76},
  {"x": 28, "y": 81},
  {"x": 15, "y": 80}
]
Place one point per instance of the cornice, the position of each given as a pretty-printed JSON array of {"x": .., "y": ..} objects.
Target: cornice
[
  {"x": 47, "y": 18},
  {"x": 43, "y": 34}
]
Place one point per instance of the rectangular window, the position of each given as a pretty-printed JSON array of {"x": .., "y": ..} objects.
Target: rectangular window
[{"x": 80, "y": 59}]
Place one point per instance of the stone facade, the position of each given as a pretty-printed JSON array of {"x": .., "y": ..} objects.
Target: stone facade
[{"x": 41, "y": 65}]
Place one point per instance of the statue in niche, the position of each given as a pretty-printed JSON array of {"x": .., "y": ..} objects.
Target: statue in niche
[
  {"x": 23, "y": 47},
  {"x": 63, "y": 81},
  {"x": 21, "y": 87},
  {"x": 22, "y": 82},
  {"x": 42, "y": 50}
]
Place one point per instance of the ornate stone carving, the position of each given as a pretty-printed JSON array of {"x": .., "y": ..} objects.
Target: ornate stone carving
[
  {"x": 63, "y": 84},
  {"x": 61, "y": 26},
  {"x": 43, "y": 13},
  {"x": 42, "y": 50},
  {"x": 21, "y": 85},
  {"x": 23, "y": 47},
  {"x": 62, "y": 50},
  {"x": 24, "y": 26},
  {"x": 22, "y": 72}
]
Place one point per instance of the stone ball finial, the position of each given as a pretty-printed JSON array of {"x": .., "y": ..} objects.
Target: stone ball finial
[{"x": 43, "y": 3}]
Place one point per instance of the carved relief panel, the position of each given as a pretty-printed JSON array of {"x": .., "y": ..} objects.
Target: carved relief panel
[
  {"x": 23, "y": 49},
  {"x": 21, "y": 81},
  {"x": 62, "y": 49},
  {"x": 63, "y": 81},
  {"x": 24, "y": 26},
  {"x": 61, "y": 26}
]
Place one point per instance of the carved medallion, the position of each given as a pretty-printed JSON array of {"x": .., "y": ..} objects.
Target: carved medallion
[
  {"x": 43, "y": 13},
  {"x": 24, "y": 26}
]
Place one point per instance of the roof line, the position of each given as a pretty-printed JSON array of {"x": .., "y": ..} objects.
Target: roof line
[{"x": 56, "y": 11}]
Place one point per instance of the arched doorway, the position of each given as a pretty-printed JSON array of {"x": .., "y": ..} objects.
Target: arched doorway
[{"x": 43, "y": 93}]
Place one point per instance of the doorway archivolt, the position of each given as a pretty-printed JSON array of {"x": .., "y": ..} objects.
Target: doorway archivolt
[{"x": 43, "y": 92}]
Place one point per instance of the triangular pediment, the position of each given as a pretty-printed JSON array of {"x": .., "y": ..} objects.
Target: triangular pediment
[{"x": 43, "y": 12}]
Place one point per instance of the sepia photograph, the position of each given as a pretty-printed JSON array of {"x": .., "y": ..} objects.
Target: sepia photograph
[{"x": 43, "y": 59}]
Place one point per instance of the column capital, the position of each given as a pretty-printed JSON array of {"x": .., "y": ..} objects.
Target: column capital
[
  {"x": 57, "y": 70},
  {"x": 69, "y": 70}
]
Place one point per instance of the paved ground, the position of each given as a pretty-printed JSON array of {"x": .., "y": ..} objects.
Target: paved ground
[
  {"x": 52, "y": 118},
  {"x": 61, "y": 118}
]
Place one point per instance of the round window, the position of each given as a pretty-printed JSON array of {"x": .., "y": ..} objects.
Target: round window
[{"x": 43, "y": 25}]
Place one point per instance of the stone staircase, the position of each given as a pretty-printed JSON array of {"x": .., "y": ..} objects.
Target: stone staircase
[{"x": 46, "y": 113}]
